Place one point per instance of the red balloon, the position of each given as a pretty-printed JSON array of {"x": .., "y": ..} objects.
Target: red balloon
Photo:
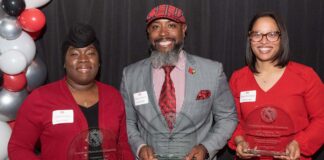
[
  {"x": 32, "y": 20},
  {"x": 14, "y": 83}
]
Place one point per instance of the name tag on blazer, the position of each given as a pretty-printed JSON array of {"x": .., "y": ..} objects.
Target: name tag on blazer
[
  {"x": 140, "y": 98},
  {"x": 62, "y": 116}
]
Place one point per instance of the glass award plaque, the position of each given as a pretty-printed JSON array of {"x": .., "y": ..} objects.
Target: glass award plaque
[
  {"x": 93, "y": 144},
  {"x": 268, "y": 130},
  {"x": 175, "y": 143}
]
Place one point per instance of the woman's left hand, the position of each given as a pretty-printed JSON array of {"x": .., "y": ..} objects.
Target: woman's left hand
[{"x": 292, "y": 150}]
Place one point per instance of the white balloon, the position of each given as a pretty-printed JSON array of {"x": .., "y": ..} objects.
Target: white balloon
[
  {"x": 5, "y": 132},
  {"x": 24, "y": 44},
  {"x": 35, "y": 3},
  {"x": 12, "y": 62}
]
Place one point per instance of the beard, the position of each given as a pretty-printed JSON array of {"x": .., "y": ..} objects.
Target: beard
[{"x": 159, "y": 59}]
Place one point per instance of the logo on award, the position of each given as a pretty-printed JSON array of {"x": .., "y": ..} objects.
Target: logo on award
[
  {"x": 93, "y": 143},
  {"x": 95, "y": 138},
  {"x": 268, "y": 130},
  {"x": 268, "y": 114}
]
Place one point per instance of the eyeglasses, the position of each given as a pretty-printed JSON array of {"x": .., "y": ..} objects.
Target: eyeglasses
[{"x": 257, "y": 37}]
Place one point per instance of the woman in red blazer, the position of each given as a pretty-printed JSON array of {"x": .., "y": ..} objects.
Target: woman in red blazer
[{"x": 76, "y": 117}]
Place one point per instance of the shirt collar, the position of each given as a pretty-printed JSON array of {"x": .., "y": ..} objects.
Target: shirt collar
[{"x": 181, "y": 64}]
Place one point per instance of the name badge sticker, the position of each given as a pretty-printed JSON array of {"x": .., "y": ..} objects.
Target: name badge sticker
[
  {"x": 62, "y": 116},
  {"x": 248, "y": 96},
  {"x": 140, "y": 98}
]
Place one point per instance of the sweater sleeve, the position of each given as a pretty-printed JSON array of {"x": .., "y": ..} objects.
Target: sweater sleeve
[
  {"x": 311, "y": 138},
  {"x": 25, "y": 133}
]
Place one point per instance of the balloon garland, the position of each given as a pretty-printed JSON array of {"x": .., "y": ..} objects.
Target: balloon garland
[{"x": 21, "y": 71}]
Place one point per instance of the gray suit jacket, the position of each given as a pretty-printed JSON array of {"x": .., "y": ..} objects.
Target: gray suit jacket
[{"x": 209, "y": 121}]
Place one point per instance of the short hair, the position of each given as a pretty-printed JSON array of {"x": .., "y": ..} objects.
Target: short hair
[
  {"x": 80, "y": 35},
  {"x": 283, "y": 53}
]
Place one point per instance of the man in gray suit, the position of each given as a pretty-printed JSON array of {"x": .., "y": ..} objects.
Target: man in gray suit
[{"x": 186, "y": 110}]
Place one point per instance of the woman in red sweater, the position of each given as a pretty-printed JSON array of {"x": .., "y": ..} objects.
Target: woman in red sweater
[
  {"x": 76, "y": 117},
  {"x": 280, "y": 103}
]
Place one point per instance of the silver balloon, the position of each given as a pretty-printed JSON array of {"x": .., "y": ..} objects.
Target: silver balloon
[
  {"x": 10, "y": 103},
  {"x": 36, "y": 74},
  {"x": 10, "y": 28}
]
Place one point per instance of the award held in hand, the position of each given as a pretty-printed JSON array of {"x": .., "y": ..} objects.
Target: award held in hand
[
  {"x": 94, "y": 144},
  {"x": 268, "y": 130},
  {"x": 175, "y": 143}
]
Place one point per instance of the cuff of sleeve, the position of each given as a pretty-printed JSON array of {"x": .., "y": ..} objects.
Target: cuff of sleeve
[
  {"x": 300, "y": 138},
  {"x": 210, "y": 152},
  {"x": 231, "y": 144},
  {"x": 238, "y": 132},
  {"x": 138, "y": 150},
  {"x": 207, "y": 153}
]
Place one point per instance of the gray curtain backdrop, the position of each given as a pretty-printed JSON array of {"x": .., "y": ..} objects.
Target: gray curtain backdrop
[{"x": 217, "y": 30}]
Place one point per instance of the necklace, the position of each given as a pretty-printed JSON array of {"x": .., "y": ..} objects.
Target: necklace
[{"x": 264, "y": 80}]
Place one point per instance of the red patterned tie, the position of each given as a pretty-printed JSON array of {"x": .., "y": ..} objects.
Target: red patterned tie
[{"x": 167, "y": 99}]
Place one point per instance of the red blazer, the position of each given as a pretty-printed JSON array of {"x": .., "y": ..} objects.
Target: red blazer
[{"x": 34, "y": 121}]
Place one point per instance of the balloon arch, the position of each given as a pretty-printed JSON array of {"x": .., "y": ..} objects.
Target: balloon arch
[{"x": 21, "y": 70}]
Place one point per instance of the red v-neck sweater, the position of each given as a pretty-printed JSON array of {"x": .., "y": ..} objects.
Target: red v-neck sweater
[{"x": 299, "y": 92}]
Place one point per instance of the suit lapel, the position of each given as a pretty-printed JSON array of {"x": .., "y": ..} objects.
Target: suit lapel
[
  {"x": 148, "y": 82},
  {"x": 191, "y": 73}
]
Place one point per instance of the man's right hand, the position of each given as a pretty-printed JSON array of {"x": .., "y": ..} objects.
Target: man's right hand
[{"x": 146, "y": 153}]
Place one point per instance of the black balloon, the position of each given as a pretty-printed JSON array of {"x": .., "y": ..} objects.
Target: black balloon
[{"x": 13, "y": 7}]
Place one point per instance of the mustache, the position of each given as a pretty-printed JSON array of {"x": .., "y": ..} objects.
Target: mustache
[{"x": 164, "y": 39}]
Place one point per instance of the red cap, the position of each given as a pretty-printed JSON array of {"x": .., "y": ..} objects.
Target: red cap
[{"x": 166, "y": 11}]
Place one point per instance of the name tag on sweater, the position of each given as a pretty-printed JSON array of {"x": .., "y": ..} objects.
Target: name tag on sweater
[
  {"x": 62, "y": 116},
  {"x": 248, "y": 96}
]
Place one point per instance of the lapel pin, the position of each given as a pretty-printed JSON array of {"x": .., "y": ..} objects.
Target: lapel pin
[{"x": 191, "y": 70}]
